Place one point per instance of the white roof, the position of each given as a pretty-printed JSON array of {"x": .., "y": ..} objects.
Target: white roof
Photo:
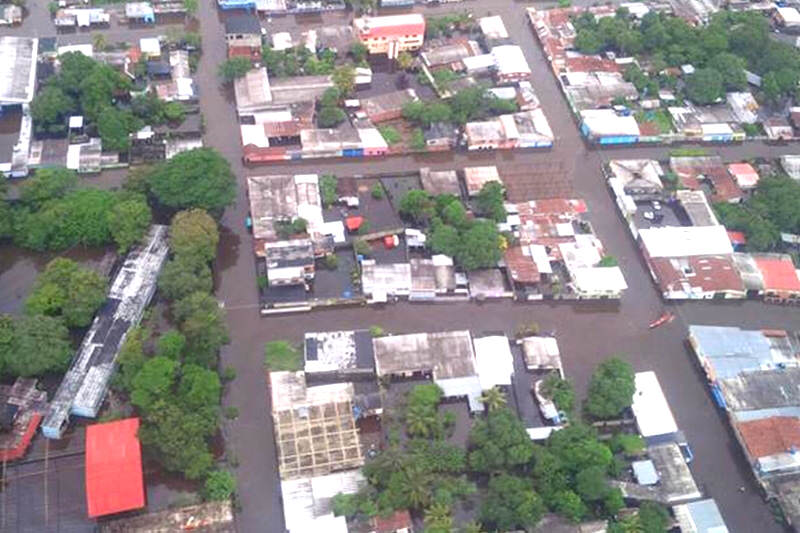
[
  {"x": 509, "y": 59},
  {"x": 541, "y": 433},
  {"x": 718, "y": 128},
  {"x": 650, "y": 408},
  {"x": 371, "y": 138},
  {"x": 605, "y": 122},
  {"x": 494, "y": 361},
  {"x": 150, "y": 46},
  {"x": 541, "y": 258},
  {"x": 481, "y": 62},
  {"x": 74, "y": 156},
  {"x": 469, "y": 386},
  {"x": 686, "y": 241},
  {"x": 76, "y": 121},
  {"x": 307, "y": 501},
  {"x": 493, "y": 27},
  {"x": 789, "y": 15},
  {"x": 17, "y": 69},
  {"x": 334, "y": 229},
  {"x": 598, "y": 279},
  {"x": 281, "y": 40},
  {"x": 85, "y": 49},
  {"x": 637, "y": 9},
  {"x": 254, "y": 134},
  {"x": 390, "y": 20}
]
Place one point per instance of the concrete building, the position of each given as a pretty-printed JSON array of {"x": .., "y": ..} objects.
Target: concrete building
[
  {"x": 640, "y": 178},
  {"x": 387, "y": 106},
  {"x": 604, "y": 126},
  {"x": 84, "y": 387},
  {"x": 243, "y": 36},
  {"x": 493, "y": 28},
  {"x": 510, "y": 64},
  {"x": 392, "y": 34},
  {"x": 381, "y": 281}
]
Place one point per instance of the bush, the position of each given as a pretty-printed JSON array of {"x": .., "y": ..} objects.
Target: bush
[
  {"x": 220, "y": 485},
  {"x": 228, "y": 374},
  {"x": 233, "y": 68},
  {"x": 376, "y": 331},
  {"x": 330, "y": 117},
  {"x": 608, "y": 261},
  {"x": 390, "y": 134},
  {"x": 361, "y": 247},
  {"x": 331, "y": 262},
  {"x": 377, "y": 191},
  {"x": 281, "y": 355},
  {"x": 327, "y": 186},
  {"x": 231, "y": 412}
]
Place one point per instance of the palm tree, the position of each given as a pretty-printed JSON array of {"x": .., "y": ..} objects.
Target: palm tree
[
  {"x": 472, "y": 527},
  {"x": 438, "y": 519},
  {"x": 99, "y": 42},
  {"x": 494, "y": 399},
  {"x": 417, "y": 485},
  {"x": 419, "y": 420}
]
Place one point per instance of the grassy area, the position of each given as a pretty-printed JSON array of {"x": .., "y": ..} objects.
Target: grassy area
[
  {"x": 281, "y": 355},
  {"x": 390, "y": 134},
  {"x": 659, "y": 117},
  {"x": 688, "y": 152}
]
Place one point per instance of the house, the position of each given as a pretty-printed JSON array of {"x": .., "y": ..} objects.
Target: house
[
  {"x": 743, "y": 106},
  {"x": 447, "y": 357},
  {"x": 781, "y": 278},
  {"x": 640, "y": 178},
  {"x": 438, "y": 182},
  {"x": 510, "y": 64},
  {"x": 604, "y": 126},
  {"x": 476, "y": 177},
  {"x": 10, "y": 14},
  {"x": 23, "y": 406},
  {"x": 597, "y": 89},
  {"x": 530, "y": 129},
  {"x": 150, "y": 47},
  {"x": 597, "y": 282},
  {"x": 17, "y": 70},
  {"x": 381, "y": 281},
  {"x": 541, "y": 353},
  {"x": 770, "y": 443},
  {"x": 81, "y": 17},
  {"x": 788, "y": 17},
  {"x": 225, "y": 5},
  {"x": 387, "y": 106},
  {"x": 141, "y": 12},
  {"x": 487, "y": 135},
  {"x": 493, "y": 28},
  {"x": 440, "y": 136},
  {"x": 494, "y": 361},
  {"x": 651, "y": 410},
  {"x": 689, "y": 262},
  {"x": 243, "y": 36},
  {"x": 449, "y": 54},
  {"x": 695, "y": 205},
  {"x": 252, "y": 92},
  {"x": 699, "y": 517},
  {"x": 289, "y": 262},
  {"x": 744, "y": 174},
  {"x": 390, "y": 34},
  {"x": 778, "y": 128},
  {"x": 708, "y": 172}
]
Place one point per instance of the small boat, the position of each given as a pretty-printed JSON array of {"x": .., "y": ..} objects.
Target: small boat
[{"x": 666, "y": 318}]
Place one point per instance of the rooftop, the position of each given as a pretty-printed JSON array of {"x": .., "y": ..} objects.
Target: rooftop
[
  {"x": 283, "y": 197},
  {"x": 314, "y": 426},
  {"x": 446, "y": 354},
  {"x": 494, "y": 361},
  {"x": 650, "y": 407},
  {"x": 770, "y": 436},
  {"x": 18, "y": 69},
  {"x": 114, "y": 481},
  {"x": 541, "y": 353},
  {"x": 700, "y": 517},
  {"x": 493, "y": 27},
  {"x": 697, "y": 208},
  {"x": 307, "y": 501},
  {"x": 252, "y": 91},
  {"x": 440, "y": 181},
  {"x": 778, "y": 271},
  {"x": 242, "y": 23},
  {"x": 696, "y": 276},
  {"x": 211, "y": 517},
  {"x": 510, "y": 60},
  {"x": 762, "y": 389},
  {"x": 84, "y": 386},
  {"x": 338, "y": 350},
  {"x": 389, "y": 26},
  {"x": 638, "y": 174},
  {"x": 685, "y": 241},
  {"x": 477, "y": 177},
  {"x": 377, "y": 107}
]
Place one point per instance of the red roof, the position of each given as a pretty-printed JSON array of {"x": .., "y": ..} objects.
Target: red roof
[
  {"x": 393, "y": 26},
  {"x": 522, "y": 267},
  {"x": 399, "y": 520},
  {"x": 709, "y": 273},
  {"x": 770, "y": 436},
  {"x": 737, "y": 237},
  {"x": 353, "y": 223},
  {"x": 114, "y": 481},
  {"x": 778, "y": 273}
]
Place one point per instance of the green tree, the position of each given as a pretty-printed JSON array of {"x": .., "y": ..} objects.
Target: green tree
[
  {"x": 610, "y": 389},
  {"x": 576, "y": 448},
  {"x": 171, "y": 345},
  {"x": 588, "y": 41},
  {"x": 390, "y": 134},
  {"x": 129, "y": 221},
  {"x": 570, "y": 506},
  {"x": 511, "y": 503},
  {"x": 51, "y": 108},
  {"x": 199, "y": 178},
  {"x": 627, "y": 443},
  {"x": 330, "y": 117},
  {"x": 592, "y": 483},
  {"x": 438, "y": 519},
  {"x": 115, "y": 126},
  {"x": 494, "y": 399},
  {"x": 418, "y": 206},
  {"x": 68, "y": 290},
  {"x": 39, "y": 345},
  {"x": 731, "y": 67},
  {"x": 233, "y": 68},
  {"x": 653, "y": 518},
  {"x": 560, "y": 391},
  {"x": 154, "y": 383},
  {"x": 705, "y": 86},
  {"x": 405, "y": 61},
  {"x": 455, "y": 215},
  {"x": 202, "y": 322},
  {"x": 184, "y": 275},
  {"x": 191, "y": 7},
  {"x": 219, "y": 486},
  {"x": 193, "y": 233},
  {"x": 358, "y": 51},
  {"x": 344, "y": 78},
  {"x": 330, "y": 98},
  {"x": 490, "y": 201},
  {"x": 444, "y": 239},
  {"x": 199, "y": 389},
  {"x": 479, "y": 247},
  {"x": 131, "y": 358},
  {"x": 175, "y": 111},
  {"x": 281, "y": 355},
  {"x": 47, "y": 184},
  {"x": 498, "y": 443}
]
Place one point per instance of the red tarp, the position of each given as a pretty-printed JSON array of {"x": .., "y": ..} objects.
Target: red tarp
[
  {"x": 114, "y": 480},
  {"x": 353, "y": 223}
]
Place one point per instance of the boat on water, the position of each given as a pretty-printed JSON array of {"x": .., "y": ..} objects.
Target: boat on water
[{"x": 666, "y": 318}]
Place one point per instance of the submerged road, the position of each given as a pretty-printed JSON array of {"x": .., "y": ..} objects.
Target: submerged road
[{"x": 588, "y": 333}]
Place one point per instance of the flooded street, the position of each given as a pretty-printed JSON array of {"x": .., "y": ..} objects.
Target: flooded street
[{"x": 587, "y": 333}]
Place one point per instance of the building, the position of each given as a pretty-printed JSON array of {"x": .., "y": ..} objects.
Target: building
[
  {"x": 541, "y": 353},
  {"x": 476, "y": 177},
  {"x": 651, "y": 410},
  {"x": 493, "y": 28},
  {"x": 744, "y": 174},
  {"x": 692, "y": 262},
  {"x": 598, "y": 282},
  {"x": 387, "y": 106},
  {"x": 778, "y": 128},
  {"x": 10, "y": 15},
  {"x": 84, "y": 386},
  {"x": 605, "y": 126},
  {"x": 433, "y": 278},
  {"x": 114, "y": 481},
  {"x": 447, "y": 357},
  {"x": 81, "y": 17},
  {"x": 695, "y": 205},
  {"x": 449, "y": 54},
  {"x": 510, "y": 65},
  {"x": 381, "y": 281},
  {"x": 252, "y": 92},
  {"x": 278, "y": 199},
  {"x": 707, "y": 173},
  {"x": 343, "y": 352},
  {"x": 289, "y": 262},
  {"x": 699, "y": 517},
  {"x": 392, "y": 34},
  {"x": 494, "y": 361},
  {"x": 781, "y": 278},
  {"x": 22, "y": 408},
  {"x": 243, "y": 36},
  {"x": 726, "y": 352},
  {"x": 771, "y": 444},
  {"x": 307, "y": 502},
  {"x": 315, "y": 427},
  {"x": 440, "y": 181},
  {"x": 640, "y": 178},
  {"x": 141, "y": 12},
  {"x": 216, "y": 517}
]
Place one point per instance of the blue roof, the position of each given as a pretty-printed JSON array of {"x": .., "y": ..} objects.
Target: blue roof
[
  {"x": 732, "y": 350},
  {"x": 645, "y": 472},
  {"x": 706, "y": 517}
]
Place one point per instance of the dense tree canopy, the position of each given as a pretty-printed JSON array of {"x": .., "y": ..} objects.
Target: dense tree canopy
[
  {"x": 47, "y": 184},
  {"x": 199, "y": 178},
  {"x": 610, "y": 389},
  {"x": 129, "y": 221},
  {"x": 510, "y": 504},
  {"x": 233, "y": 68},
  {"x": 480, "y": 246},
  {"x": 182, "y": 276},
  {"x": 203, "y": 323},
  {"x": 68, "y": 290},
  {"x": 194, "y": 233},
  {"x": 34, "y": 345},
  {"x": 498, "y": 443},
  {"x": 490, "y": 201}
]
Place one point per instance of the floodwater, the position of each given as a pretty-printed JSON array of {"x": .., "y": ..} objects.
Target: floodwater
[{"x": 587, "y": 333}]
